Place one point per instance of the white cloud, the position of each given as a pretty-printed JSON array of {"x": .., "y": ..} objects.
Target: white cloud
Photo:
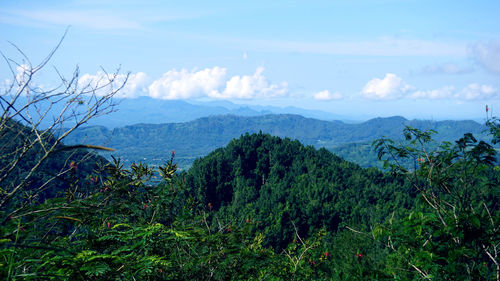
[
  {"x": 326, "y": 95},
  {"x": 186, "y": 84},
  {"x": 472, "y": 91},
  {"x": 136, "y": 83},
  {"x": 248, "y": 87},
  {"x": 391, "y": 87},
  {"x": 475, "y": 91},
  {"x": 22, "y": 73},
  {"x": 245, "y": 55},
  {"x": 442, "y": 93},
  {"x": 487, "y": 54},
  {"x": 18, "y": 80}
]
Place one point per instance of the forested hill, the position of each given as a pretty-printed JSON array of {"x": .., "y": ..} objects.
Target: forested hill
[
  {"x": 277, "y": 183},
  {"x": 267, "y": 208},
  {"x": 153, "y": 143},
  {"x": 21, "y": 151}
]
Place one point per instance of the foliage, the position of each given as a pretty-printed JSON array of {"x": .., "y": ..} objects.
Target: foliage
[
  {"x": 278, "y": 182},
  {"x": 129, "y": 229},
  {"x": 453, "y": 234},
  {"x": 262, "y": 208},
  {"x": 56, "y": 175},
  {"x": 309, "y": 220}
]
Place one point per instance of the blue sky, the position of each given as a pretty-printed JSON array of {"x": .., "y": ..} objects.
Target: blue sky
[{"x": 418, "y": 59}]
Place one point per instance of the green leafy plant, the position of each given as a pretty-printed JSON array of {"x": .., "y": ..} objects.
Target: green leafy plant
[{"x": 453, "y": 234}]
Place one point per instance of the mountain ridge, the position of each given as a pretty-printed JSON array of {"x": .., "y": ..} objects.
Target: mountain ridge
[
  {"x": 158, "y": 111},
  {"x": 194, "y": 139}
]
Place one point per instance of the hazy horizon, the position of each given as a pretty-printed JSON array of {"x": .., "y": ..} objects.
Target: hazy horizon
[{"x": 358, "y": 59}]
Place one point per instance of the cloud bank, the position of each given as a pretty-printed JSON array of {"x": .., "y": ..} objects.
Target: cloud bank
[
  {"x": 189, "y": 84},
  {"x": 393, "y": 87},
  {"x": 472, "y": 91},
  {"x": 214, "y": 83},
  {"x": 475, "y": 91}
]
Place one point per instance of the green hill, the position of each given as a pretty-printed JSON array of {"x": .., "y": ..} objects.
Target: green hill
[
  {"x": 275, "y": 181},
  {"x": 268, "y": 208},
  {"x": 61, "y": 170},
  {"x": 153, "y": 143}
]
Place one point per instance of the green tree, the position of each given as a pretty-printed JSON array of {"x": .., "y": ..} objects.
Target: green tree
[{"x": 453, "y": 233}]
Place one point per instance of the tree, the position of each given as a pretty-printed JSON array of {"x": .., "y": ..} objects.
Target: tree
[
  {"x": 453, "y": 234},
  {"x": 35, "y": 119}
]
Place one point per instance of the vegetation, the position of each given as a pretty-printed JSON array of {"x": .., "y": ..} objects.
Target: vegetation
[
  {"x": 454, "y": 234},
  {"x": 65, "y": 166},
  {"x": 34, "y": 161},
  {"x": 270, "y": 208},
  {"x": 261, "y": 208},
  {"x": 152, "y": 143},
  {"x": 279, "y": 184}
]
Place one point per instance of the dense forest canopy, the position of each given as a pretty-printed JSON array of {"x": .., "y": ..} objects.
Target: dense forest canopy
[
  {"x": 265, "y": 207},
  {"x": 275, "y": 182}
]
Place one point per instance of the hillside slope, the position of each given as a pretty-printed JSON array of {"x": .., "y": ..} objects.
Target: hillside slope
[
  {"x": 64, "y": 168},
  {"x": 278, "y": 183},
  {"x": 152, "y": 143}
]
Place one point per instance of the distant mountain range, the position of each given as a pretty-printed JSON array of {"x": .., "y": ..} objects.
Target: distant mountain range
[
  {"x": 157, "y": 111},
  {"x": 153, "y": 143}
]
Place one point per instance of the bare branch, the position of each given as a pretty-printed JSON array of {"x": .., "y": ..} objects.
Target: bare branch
[{"x": 32, "y": 115}]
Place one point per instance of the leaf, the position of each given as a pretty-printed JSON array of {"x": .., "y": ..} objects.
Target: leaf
[
  {"x": 95, "y": 269},
  {"x": 68, "y": 218},
  {"x": 378, "y": 231},
  {"x": 121, "y": 225}
]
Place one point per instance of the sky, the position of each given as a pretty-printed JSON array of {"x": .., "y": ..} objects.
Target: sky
[{"x": 357, "y": 58}]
